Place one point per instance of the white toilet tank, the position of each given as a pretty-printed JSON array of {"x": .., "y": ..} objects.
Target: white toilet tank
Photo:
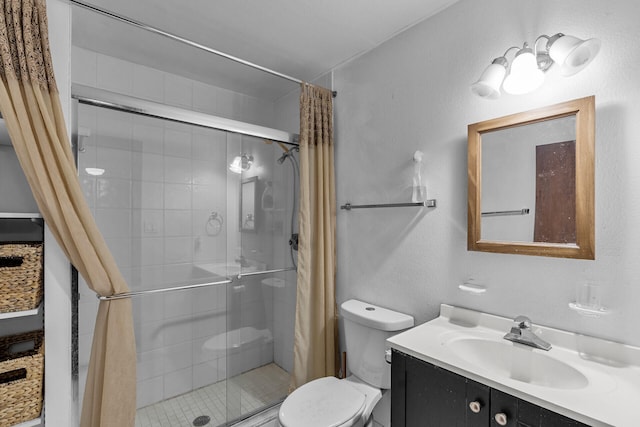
[{"x": 366, "y": 329}]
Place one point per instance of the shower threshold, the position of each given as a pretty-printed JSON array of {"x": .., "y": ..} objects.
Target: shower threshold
[{"x": 259, "y": 389}]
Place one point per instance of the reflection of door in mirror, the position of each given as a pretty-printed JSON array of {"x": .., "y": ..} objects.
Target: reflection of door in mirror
[
  {"x": 555, "y": 220},
  {"x": 517, "y": 204},
  {"x": 248, "y": 205}
]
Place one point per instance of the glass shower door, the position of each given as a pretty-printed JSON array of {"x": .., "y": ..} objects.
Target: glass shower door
[
  {"x": 258, "y": 375},
  {"x": 174, "y": 212}
]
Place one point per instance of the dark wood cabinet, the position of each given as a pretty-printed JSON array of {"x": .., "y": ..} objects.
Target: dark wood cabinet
[
  {"x": 425, "y": 395},
  {"x": 478, "y": 397}
]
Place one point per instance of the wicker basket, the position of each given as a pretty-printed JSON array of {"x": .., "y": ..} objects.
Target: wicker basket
[
  {"x": 21, "y": 284},
  {"x": 21, "y": 374}
]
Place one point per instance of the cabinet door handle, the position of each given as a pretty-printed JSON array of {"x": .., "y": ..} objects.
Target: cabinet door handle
[
  {"x": 501, "y": 419},
  {"x": 475, "y": 406}
]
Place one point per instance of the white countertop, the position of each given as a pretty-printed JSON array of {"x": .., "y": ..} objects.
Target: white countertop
[{"x": 610, "y": 395}]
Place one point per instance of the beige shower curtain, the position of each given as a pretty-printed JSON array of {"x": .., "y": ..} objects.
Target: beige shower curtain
[
  {"x": 316, "y": 337},
  {"x": 30, "y": 105}
]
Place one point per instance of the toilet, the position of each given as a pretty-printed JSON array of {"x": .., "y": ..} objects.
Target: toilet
[{"x": 330, "y": 402}]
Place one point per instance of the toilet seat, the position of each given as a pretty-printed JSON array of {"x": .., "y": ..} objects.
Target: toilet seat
[{"x": 325, "y": 402}]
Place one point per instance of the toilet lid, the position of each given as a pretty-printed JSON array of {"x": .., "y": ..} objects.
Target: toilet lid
[{"x": 325, "y": 402}]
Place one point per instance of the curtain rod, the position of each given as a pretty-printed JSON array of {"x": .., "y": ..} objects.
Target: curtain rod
[{"x": 185, "y": 41}]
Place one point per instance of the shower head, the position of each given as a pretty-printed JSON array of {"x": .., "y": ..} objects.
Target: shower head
[
  {"x": 286, "y": 154},
  {"x": 282, "y": 158}
]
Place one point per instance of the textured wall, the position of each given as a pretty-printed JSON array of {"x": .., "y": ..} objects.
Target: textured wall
[{"x": 413, "y": 93}]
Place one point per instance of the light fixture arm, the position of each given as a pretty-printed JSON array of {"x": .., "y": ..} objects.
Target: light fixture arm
[
  {"x": 541, "y": 36},
  {"x": 508, "y": 50},
  {"x": 550, "y": 41},
  {"x": 542, "y": 56},
  {"x": 502, "y": 60}
]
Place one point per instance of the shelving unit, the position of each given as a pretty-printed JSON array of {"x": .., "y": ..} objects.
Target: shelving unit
[{"x": 27, "y": 227}]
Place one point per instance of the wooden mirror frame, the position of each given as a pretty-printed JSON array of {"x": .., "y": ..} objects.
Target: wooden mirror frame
[{"x": 584, "y": 248}]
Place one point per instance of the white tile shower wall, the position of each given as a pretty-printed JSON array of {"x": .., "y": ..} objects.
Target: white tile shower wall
[
  {"x": 278, "y": 302},
  {"x": 161, "y": 183},
  {"x": 284, "y": 310},
  {"x": 164, "y": 329},
  {"x": 105, "y": 72}
]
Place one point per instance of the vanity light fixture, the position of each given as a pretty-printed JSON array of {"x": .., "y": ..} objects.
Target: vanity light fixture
[
  {"x": 241, "y": 163},
  {"x": 526, "y": 71}
]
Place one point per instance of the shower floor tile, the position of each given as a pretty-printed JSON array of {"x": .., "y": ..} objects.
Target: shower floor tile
[{"x": 248, "y": 392}]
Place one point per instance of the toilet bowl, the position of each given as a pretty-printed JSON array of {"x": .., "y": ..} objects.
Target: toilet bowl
[
  {"x": 330, "y": 402},
  {"x": 327, "y": 402}
]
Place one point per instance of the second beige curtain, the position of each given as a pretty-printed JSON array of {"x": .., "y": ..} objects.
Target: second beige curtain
[
  {"x": 315, "y": 341},
  {"x": 30, "y": 106}
]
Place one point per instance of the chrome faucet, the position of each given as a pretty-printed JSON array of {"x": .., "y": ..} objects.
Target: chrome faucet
[{"x": 521, "y": 333}]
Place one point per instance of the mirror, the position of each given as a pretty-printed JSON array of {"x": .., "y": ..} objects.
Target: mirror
[
  {"x": 248, "y": 204},
  {"x": 531, "y": 182}
]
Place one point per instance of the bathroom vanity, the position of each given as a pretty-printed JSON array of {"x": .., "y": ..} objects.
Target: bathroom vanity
[
  {"x": 457, "y": 370},
  {"x": 428, "y": 395}
]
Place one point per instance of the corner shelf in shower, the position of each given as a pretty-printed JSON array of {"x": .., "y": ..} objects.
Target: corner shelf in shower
[{"x": 431, "y": 203}]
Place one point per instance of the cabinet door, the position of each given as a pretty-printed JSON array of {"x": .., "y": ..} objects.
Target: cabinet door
[
  {"x": 477, "y": 402},
  {"x": 435, "y": 396},
  {"x": 431, "y": 396},
  {"x": 503, "y": 406},
  {"x": 530, "y": 415},
  {"x": 553, "y": 419}
]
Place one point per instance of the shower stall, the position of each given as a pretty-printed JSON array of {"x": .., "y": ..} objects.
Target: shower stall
[{"x": 199, "y": 212}]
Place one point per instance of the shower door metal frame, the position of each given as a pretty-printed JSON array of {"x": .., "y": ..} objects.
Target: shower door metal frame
[
  {"x": 116, "y": 101},
  {"x": 102, "y": 98},
  {"x": 82, "y": 94}
]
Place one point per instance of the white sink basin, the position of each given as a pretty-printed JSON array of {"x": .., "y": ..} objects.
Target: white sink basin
[{"x": 517, "y": 362}]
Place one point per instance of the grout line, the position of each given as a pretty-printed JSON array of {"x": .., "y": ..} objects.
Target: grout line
[{"x": 255, "y": 388}]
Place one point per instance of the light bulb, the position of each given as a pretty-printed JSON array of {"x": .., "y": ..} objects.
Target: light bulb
[{"x": 525, "y": 76}]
